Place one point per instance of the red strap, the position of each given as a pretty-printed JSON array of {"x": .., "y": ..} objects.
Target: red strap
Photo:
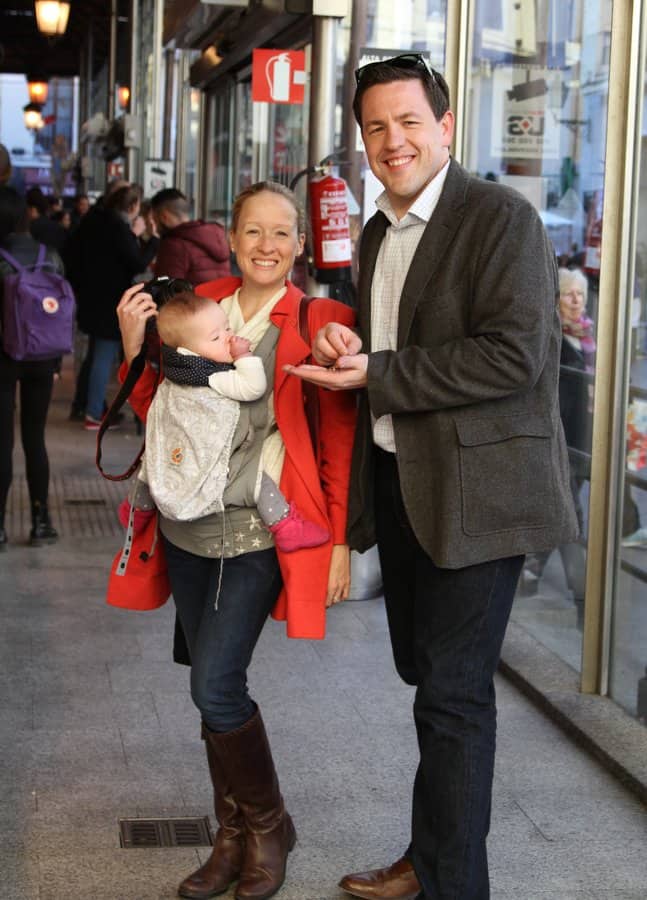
[{"x": 310, "y": 391}]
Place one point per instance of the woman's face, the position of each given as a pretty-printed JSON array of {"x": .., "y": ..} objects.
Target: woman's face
[
  {"x": 571, "y": 302},
  {"x": 266, "y": 241}
]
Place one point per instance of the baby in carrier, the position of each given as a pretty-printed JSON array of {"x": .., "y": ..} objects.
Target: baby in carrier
[{"x": 208, "y": 372}]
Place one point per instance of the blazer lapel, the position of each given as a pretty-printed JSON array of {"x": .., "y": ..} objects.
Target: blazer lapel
[
  {"x": 430, "y": 252},
  {"x": 372, "y": 237}
]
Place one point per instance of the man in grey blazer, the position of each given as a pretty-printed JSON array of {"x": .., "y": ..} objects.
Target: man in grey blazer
[{"x": 460, "y": 465}]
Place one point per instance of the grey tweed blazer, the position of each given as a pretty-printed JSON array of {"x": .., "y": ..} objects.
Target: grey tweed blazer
[{"x": 472, "y": 386}]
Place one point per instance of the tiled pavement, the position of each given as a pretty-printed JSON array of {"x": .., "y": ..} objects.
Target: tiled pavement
[{"x": 96, "y": 724}]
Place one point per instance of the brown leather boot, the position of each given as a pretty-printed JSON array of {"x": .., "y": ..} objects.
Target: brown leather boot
[
  {"x": 269, "y": 832},
  {"x": 224, "y": 865}
]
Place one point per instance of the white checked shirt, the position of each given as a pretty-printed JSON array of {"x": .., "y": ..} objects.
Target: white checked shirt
[{"x": 394, "y": 258}]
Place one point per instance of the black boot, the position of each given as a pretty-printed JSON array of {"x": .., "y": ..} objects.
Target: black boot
[
  {"x": 42, "y": 530},
  {"x": 3, "y": 534}
]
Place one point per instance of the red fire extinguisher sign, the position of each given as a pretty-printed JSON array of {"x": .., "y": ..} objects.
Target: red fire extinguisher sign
[{"x": 278, "y": 76}]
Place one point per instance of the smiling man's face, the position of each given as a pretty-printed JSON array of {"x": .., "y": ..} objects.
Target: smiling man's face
[{"x": 405, "y": 144}]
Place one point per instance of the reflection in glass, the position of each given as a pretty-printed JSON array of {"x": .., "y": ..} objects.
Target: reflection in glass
[
  {"x": 537, "y": 111},
  {"x": 219, "y": 171}
]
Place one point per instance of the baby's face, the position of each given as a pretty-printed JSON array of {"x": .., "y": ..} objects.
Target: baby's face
[{"x": 208, "y": 334}]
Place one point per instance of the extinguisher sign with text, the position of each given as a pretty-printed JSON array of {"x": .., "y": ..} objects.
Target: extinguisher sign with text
[{"x": 278, "y": 76}]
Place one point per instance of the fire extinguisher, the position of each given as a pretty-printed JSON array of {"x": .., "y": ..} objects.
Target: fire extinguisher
[
  {"x": 331, "y": 251},
  {"x": 331, "y": 247}
]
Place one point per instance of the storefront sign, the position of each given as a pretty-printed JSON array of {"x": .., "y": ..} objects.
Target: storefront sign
[
  {"x": 158, "y": 175},
  {"x": 115, "y": 170},
  {"x": 278, "y": 76},
  {"x": 525, "y": 111}
]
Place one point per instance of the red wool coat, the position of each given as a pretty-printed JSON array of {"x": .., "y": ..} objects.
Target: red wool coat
[{"x": 321, "y": 494}]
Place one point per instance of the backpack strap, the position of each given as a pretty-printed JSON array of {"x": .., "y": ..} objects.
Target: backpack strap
[
  {"x": 310, "y": 391},
  {"x": 41, "y": 259},
  {"x": 12, "y": 260}
]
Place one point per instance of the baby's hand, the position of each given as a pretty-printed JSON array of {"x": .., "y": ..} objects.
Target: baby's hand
[{"x": 239, "y": 346}]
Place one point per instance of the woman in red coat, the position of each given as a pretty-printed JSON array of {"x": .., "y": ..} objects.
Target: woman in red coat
[{"x": 256, "y": 833}]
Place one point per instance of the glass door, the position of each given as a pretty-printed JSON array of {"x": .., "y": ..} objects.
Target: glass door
[
  {"x": 536, "y": 120},
  {"x": 220, "y": 153}
]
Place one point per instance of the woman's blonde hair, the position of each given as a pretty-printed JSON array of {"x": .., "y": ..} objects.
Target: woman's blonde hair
[{"x": 274, "y": 187}]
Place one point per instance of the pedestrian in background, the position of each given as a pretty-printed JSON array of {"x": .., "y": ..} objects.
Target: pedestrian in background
[
  {"x": 35, "y": 379},
  {"x": 191, "y": 249},
  {"x": 41, "y": 226},
  {"x": 80, "y": 206},
  {"x": 85, "y": 231},
  {"x": 460, "y": 464},
  {"x": 109, "y": 256}
]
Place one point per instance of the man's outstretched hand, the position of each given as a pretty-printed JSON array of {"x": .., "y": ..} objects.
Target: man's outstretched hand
[{"x": 347, "y": 375}]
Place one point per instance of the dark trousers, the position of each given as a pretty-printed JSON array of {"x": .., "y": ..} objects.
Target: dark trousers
[
  {"x": 446, "y": 627},
  {"x": 221, "y": 641},
  {"x": 82, "y": 379},
  {"x": 35, "y": 379}
]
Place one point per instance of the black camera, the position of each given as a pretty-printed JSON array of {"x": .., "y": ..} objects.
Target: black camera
[{"x": 161, "y": 290}]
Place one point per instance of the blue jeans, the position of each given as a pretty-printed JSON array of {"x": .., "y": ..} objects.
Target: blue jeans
[
  {"x": 446, "y": 628},
  {"x": 104, "y": 357},
  {"x": 221, "y": 641}
]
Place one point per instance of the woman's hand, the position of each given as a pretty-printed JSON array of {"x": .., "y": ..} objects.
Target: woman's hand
[
  {"x": 339, "y": 574},
  {"x": 138, "y": 226},
  {"x": 133, "y": 311}
]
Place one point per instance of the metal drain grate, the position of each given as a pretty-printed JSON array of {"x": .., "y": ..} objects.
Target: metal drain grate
[
  {"x": 80, "y": 506},
  {"x": 184, "y": 832}
]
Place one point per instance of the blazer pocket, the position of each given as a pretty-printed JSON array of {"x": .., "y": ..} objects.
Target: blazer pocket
[{"x": 506, "y": 473}]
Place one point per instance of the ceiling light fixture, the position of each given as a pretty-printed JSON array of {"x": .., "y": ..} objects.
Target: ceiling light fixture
[
  {"x": 123, "y": 96},
  {"x": 33, "y": 117},
  {"x": 51, "y": 17},
  {"x": 38, "y": 88}
]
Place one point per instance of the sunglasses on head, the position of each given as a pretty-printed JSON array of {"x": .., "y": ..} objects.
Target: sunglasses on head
[{"x": 404, "y": 61}]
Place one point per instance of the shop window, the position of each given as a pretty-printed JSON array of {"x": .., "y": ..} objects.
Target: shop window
[{"x": 537, "y": 111}]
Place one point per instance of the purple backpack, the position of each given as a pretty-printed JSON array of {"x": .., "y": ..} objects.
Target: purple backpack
[{"x": 37, "y": 310}]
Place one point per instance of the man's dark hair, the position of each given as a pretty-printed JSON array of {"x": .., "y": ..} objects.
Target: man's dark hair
[
  {"x": 171, "y": 199},
  {"x": 435, "y": 86},
  {"x": 38, "y": 200},
  {"x": 13, "y": 212}
]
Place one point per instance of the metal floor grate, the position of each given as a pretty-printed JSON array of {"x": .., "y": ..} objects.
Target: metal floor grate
[
  {"x": 79, "y": 506},
  {"x": 184, "y": 832}
]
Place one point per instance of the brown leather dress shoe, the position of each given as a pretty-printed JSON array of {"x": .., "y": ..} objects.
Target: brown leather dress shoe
[{"x": 397, "y": 882}]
